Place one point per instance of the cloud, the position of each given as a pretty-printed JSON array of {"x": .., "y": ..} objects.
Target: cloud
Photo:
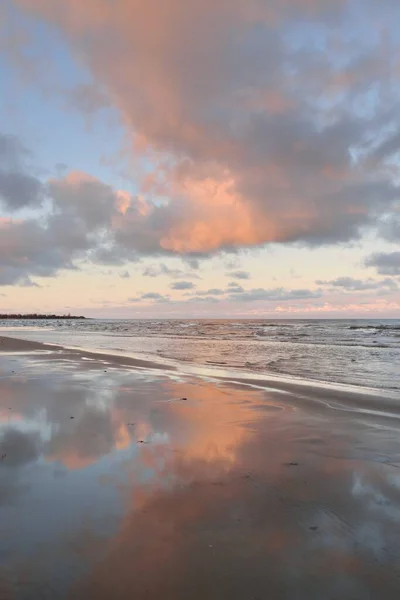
[
  {"x": 352, "y": 285},
  {"x": 29, "y": 248},
  {"x": 125, "y": 275},
  {"x": 193, "y": 263},
  {"x": 390, "y": 228},
  {"x": 251, "y": 138},
  {"x": 206, "y": 299},
  {"x": 18, "y": 188},
  {"x": 87, "y": 98},
  {"x": 256, "y": 133},
  {"x": 150, "y": 296},
  {"x": 212, "y": 292},
  {"x": 78, "y": 225},
  {"x": 233, "y": 294},
  {"x": 239, "y": 275},
  {"x": 163, "y": 269},
  {"x": 274, "y": 295},
  {"x": 182, "y": 285},
  {"x": 234, "y": 287},
  {"x": 385, "y": 263},
  {"x": 27, "y": 282}
]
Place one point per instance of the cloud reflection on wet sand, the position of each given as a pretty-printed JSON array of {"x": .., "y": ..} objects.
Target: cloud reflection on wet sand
[{"x": 123, "y": 485}]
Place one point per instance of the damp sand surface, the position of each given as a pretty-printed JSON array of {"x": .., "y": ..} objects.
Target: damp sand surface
[{"x": 122, "y": 480}]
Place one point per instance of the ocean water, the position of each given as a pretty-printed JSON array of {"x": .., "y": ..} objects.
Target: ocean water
[{"x": 352, "y": 352}]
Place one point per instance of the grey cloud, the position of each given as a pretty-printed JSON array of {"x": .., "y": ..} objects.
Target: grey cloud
[
  {"x": 163, "y": 269},
  {"x": 385, "y": 263},
  {"x": 193, "y": 263},
  {"x": 199, "y": 298},
  {"x": 61, "y": 169},
  {"x": 125, "y": 275},
  {"x": 153, "y": 296},
  {"x": 274, "y": 295},
  {"x": 182, "y": 285},
  {"x": 150, "y": 296},
  {"x": 234, "y": 287},
  {"x": 232, "y": 263},
  {"x": 211, "y": 292},
  {"x": 390, "y": 228},
  {"x": 32, "y": 248},
  {"x": 87, "y": 98},
  {"x": 84, "y": 199},
  {"x": 109, "y": 254},
  {"x": 18, "y": 188},
  {"x": 11, "y": 276},
  {"x": 78, "y": 225},
  {"x": 12, "y": 152},
  {"x": 27, "y": 282},
  {"x": 240, "y": 275},
  {"x": 351, "y": 284}
]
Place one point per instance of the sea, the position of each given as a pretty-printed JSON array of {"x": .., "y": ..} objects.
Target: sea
[{"x": 362, "y": 353}]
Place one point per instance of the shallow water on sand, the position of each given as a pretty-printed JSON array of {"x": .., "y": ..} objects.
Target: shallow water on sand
[
  {"x": 355, "y": 352},
  {"x": 116, "y": 483}
]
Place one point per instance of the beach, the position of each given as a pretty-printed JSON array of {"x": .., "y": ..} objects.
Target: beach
[{"x": 124, "y": 478}]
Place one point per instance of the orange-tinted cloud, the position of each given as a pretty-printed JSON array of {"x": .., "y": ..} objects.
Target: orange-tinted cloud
[{"x": 247, "y": 142}]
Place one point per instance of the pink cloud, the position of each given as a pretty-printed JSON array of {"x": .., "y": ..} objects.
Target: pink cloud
[{"x": 247, "y": 145}]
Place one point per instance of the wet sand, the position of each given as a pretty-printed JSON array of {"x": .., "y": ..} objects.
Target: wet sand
[{"x": 119, "y": 480}]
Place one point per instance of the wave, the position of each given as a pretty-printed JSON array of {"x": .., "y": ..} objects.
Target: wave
[{"x": 376, "y": 327}]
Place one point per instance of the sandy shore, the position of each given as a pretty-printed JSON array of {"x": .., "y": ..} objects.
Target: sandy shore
[{"x": 121, "y": 480}]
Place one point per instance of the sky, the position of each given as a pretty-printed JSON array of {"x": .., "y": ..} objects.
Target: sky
[{"x": 183, "y": 158}]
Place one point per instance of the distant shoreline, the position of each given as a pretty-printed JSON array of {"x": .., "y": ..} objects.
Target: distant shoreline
[{"x": 41, "y": 317}]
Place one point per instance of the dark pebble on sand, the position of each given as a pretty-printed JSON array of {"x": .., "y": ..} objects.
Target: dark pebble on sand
[
  {"x": 183, "y": 398},
  {"x": 314, "y": 528},
  {"x": 72, "y": 417}
]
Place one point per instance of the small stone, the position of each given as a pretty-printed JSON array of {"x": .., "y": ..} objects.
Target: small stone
[{"x": 313, "y": 528}]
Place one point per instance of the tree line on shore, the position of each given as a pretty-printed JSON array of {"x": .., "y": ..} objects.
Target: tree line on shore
[{"x": 38, "y": 316}]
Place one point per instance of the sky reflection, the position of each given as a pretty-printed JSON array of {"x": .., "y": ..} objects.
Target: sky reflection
[{"x": 115, "y": 483}]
